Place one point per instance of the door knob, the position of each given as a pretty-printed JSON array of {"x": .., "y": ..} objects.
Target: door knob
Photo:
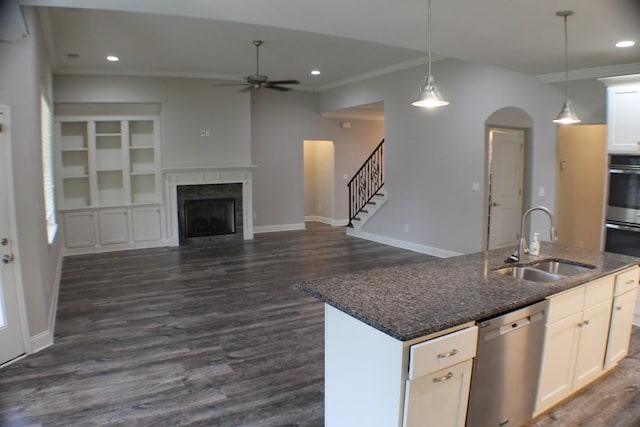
[{"x": 7, "y": 258}]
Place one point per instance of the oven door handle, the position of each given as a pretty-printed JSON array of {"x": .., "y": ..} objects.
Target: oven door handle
[
  {"x": 625, "y": 171},
  {"x": 623, "y": 227}
]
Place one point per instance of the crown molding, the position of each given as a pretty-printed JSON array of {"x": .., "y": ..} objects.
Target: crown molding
[{"x": 591, "y": 73}]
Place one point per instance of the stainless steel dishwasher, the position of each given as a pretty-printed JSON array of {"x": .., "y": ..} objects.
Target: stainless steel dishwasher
[{"x": 506, "y": 368}]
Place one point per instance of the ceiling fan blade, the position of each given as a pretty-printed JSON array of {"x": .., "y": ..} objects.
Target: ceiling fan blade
[
  {"x": 284, "y": 82},
  {"x": 280, "y": 88},
  {"x": 229, "y": 84}
]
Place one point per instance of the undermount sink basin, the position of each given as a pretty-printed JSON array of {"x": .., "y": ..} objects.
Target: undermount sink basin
[
  {"x": 545, "y": 271},
  {"x": 530, "y": 274},
  {"x": 562, "y": 268}
]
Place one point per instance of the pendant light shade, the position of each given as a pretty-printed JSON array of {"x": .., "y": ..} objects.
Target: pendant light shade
[
  {"x": 566, "y": 116},
  {"x": 429, "y": 95}
]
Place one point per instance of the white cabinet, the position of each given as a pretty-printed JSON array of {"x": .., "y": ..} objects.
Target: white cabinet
[
  {"x": 113, "y": 226},
  {"x": 623, "y": 104},
  {"x": 576, "y": 335},
  {"x": 621, "y": 317},
  {"x": 437, "y": 389},
  {"x": 147, "y": 224},
  {"x": 373, "y": 379},
  {"x": 79, "y": 229},
  {"x": 110, "y": 166}
]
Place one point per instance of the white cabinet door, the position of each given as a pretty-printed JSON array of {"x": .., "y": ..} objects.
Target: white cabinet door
[
  {"x": 78, "y": 229},
  {"x": 113, "y": 226},
  {"x": 594, "y": 331},
  {"x": 620, "y": 329},
  {"x": 147, "y": 224},
  {"x": 558, "y": 361},
  {"x": 440, "y": 398},
  {"x": 622, "y": 119}
]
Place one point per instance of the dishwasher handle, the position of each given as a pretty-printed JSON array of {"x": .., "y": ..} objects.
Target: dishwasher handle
[{"x": 511, "y": 327}]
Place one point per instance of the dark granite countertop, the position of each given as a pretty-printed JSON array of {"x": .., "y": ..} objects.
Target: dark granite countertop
[{"x": 415, "y": 300}]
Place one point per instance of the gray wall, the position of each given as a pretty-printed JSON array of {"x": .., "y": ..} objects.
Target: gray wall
[
  {"x": 24, "y": 69},
  {"x": 589, "y": 98},
  {"x": 188, "y": 106},
  {"x": 434, "y": 156},
  {"x": 280, "y": 124}
]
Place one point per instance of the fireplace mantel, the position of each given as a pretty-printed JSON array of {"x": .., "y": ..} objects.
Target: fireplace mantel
[{"x": 174, "y": 177}]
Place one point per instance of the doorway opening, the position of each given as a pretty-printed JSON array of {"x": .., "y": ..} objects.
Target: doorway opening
[
  {"x": 319, "y": 181},
  {"x": 507, "y": 178}
]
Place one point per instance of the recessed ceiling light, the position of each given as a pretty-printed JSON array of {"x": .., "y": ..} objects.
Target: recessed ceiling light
[
  {"x": 626, "y": 43},
  {"x": 315, "y": 72},
  {"x": 113, "y": 58}
]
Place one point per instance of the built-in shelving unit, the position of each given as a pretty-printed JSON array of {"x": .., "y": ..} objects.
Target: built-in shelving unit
[{"x": 109, "y": 181}]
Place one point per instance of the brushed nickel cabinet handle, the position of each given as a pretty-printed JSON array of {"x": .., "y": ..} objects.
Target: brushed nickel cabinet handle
[
  {"x": 448, "y": 354},
  {"x": 7, "y": 258},
  {"x": 443, "y": 378}
]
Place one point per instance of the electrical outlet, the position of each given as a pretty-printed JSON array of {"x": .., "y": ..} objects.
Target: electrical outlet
[
  {"x": 541, "y": 191},
  {"x": 406, "y": 228},
  {"x": 475, "y": 186}
]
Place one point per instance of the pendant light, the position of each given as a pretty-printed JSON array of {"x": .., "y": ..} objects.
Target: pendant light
[
  {"x": 429, "y": 95},
  {"x": 566, "y": 116}
]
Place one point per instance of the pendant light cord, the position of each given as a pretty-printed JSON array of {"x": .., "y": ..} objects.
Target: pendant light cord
[
  {"x": 429, "y": 36},
  {"x": 566, "y": 59}
]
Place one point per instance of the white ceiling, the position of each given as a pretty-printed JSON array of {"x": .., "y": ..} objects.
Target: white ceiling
[{"x": 346, "y": 39}]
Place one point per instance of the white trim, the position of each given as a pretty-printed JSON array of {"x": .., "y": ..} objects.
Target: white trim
[
  {"x": 97, "y": 248},
  {"x": 41, "y": 341},
  {"x": 416, "y": 247},
  {"x": 277, "y": 228},
  {"x": 17, "y": 273},
  {"x": 325, "y": 220},
  {"x": 591, "y": 73},
  {"x": 353, "y": 115}
]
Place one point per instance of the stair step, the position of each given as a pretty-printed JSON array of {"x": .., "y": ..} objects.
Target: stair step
[
  {"x": 364, "y": 211},
  {"x": 371, "y": 203},
  {"x": 357, "y": 219}
]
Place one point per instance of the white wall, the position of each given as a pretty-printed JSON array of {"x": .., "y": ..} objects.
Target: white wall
[
  {"x": 187, "y": 105},
  {"x": 589, "y": 98},
  {"x": 434, "y": 156},
  {"x": 24, "y": 69}
]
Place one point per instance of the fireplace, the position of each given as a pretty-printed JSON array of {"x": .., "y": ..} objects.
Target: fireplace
[
  {"x": 209, "y": 217},
  {"x": 209, "y": 213}
]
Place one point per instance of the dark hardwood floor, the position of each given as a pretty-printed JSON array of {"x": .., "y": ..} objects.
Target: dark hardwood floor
[{"x": 216, "y": 335}]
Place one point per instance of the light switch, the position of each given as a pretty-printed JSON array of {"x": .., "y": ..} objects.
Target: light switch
[
  {"x": 475, "y": 186},
  {"x": 541, "y": 191}
]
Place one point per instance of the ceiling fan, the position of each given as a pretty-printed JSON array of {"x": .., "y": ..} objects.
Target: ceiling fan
[{"x": 257, "y": 80}]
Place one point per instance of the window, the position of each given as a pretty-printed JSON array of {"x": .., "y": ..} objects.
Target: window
[{"x": 46, "y": 124}]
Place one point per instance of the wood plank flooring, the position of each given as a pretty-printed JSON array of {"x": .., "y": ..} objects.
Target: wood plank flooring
[{"x": 215, "y": 335}]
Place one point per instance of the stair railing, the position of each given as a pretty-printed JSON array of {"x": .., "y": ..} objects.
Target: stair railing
[{"x": 366, "y": 183}]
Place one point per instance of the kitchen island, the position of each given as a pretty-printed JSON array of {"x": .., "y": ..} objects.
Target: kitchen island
[{"x": 375, "y": 320}]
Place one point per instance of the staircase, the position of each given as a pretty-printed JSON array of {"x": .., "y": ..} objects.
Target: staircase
[{"x": 365, "y": 189}]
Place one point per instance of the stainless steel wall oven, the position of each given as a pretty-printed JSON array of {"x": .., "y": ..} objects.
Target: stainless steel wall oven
[{"x": 623, "y": 206}]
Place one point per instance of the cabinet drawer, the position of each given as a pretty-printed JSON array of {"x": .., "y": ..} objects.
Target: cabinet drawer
[
  {"x": 439, "y": 353},
  {"x": 626, "y": 281},
  {"x": 599, "y": 291},
  {"x": 565, "y": 304}
]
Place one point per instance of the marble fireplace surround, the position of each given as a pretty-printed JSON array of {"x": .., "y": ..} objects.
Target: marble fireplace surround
[{"x": 174, "y": 177}]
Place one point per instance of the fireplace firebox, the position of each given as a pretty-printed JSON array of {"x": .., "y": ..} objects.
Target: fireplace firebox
[{"x": 209, "y": 217}]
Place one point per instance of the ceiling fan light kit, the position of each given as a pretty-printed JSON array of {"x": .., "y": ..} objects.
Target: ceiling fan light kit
[
  {"x": 566, "y": 116},
  {"x": 429, "y": 96}
]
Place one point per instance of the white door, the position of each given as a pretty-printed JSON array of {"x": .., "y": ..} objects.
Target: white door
[
  {"x": 506, "y": 163},
  {"x": 11, "y": 342}
]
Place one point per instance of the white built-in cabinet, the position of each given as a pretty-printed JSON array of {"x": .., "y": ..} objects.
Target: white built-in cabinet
[
  {"x": 621, "y": 316},
  {"x": 623, "y": 104},
  {"x": 587, "y": 331},
  {"x": 108, "y": 182},
  {"x": 437, "y": 388}
]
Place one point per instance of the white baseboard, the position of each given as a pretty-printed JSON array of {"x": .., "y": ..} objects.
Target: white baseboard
[
  {"x": 45, "y": 338},
  {"x": 416, "y": 247},
  {"x": 276, "y": 228},
  {"x": 41, "y": 341},
  {"x": 117, "y": 247},
  {"x": 325, "y": 220}
]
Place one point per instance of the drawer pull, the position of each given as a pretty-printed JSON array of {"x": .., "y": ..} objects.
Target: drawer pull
[
  {"x": 619, "y": 308},
  {"x": 629, "y": 282},
  {"x": 443, "y": 378},
  {"x": 448, "y": 354}
]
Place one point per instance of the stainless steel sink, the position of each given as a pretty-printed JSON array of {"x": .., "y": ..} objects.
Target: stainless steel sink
[
  {"x": 545, "y": 271},
  {"x": 562, "y": 268},
  {"x": 530, "y": 274}
]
